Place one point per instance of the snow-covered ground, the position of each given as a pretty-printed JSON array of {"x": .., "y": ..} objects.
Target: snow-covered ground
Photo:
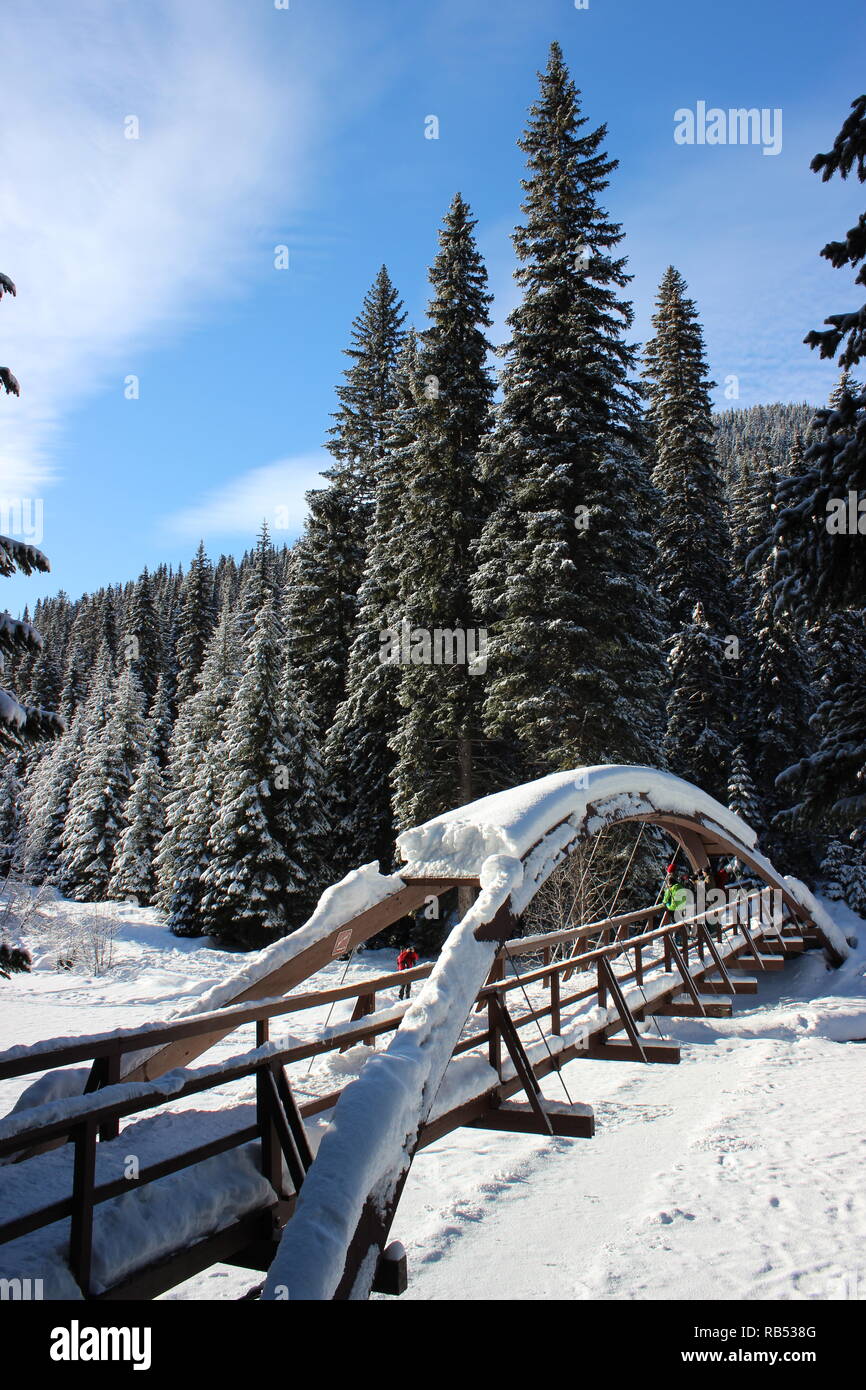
[{"x": 734, "y": 1175}]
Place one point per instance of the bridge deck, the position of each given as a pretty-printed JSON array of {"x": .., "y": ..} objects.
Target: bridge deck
[{"x": 216, "y": 1185}]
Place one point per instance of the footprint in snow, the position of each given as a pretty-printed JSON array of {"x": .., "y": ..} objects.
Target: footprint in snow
[{"x": 667, "y": 1218}]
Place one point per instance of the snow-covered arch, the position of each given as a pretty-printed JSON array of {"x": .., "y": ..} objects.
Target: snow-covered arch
[{"x": 506, "y": 844}]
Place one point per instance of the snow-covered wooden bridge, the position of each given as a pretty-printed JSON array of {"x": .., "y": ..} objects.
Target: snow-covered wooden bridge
[{"x": 112, "y": 1188}]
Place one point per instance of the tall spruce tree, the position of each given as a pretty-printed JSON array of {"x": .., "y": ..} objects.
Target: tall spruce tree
[
  {"x": 828, "y": 786},
  {"x": 564, "y": 560},
  {"x": 693, "y": 540},
  {"x": 182, "y": 894},
  {"x": 133, "y": 868},
  {"x": 777, "y": 682},
  {"x": 822, "y": 566},
  {"x": 133, "y": 873},
  {"x": 698, "y": 739},
  {"x": 47, "y": 804},
  {"x": 197, "y": 732},
  {"x": 248, "y": 874},
  {"x": 143, "y": 638},
  {"x": 97, "y": 801},
  {"x": 438, "y": 743},
  {"x": 359, "y": 760},
  {"x": 329, "y": 559},
  {"x": 195, "y": 623},
  {"x": 11, "y": 825},
  {"x": 742, "y": 794}
]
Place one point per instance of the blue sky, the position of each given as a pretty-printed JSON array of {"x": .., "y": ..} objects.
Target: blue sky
[{"x": 305, "y": 127}]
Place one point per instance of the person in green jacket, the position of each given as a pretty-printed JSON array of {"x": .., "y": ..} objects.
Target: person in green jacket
[{"x": 675, "y": 897}]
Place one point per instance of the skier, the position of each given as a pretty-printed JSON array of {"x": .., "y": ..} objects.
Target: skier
[
  {"x": 407, "y": 960},
  {"x": 675, "y": 897}
]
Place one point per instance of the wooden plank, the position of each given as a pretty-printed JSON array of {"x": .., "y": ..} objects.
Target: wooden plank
[
  {"x": 621, "y": 1050},
  {"x": 742, "y": 985},
  {"x": 516, "y": 1117},
  {"x": 763, "y": 962},
  {"x": 684, "y": 1007}
]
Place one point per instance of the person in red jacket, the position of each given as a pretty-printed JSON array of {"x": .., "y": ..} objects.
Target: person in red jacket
[{"x": 407, "y": 960}]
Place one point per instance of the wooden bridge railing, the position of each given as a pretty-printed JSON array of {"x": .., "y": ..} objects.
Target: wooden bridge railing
[{"x": 279, "y": 1125}]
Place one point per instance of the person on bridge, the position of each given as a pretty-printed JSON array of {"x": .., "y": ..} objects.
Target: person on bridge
[{"x": 407, "y": 960}]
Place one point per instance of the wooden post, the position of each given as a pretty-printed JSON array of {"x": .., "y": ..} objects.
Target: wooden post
[
  {"x": 110, "y": 1129},
  {"x": 555, "y": 1012},
  {"x": 364, "y": 1006},
  {"x": 81, "y": 1224},
  {"x": 272, "y": 1158},
  {"x": 601, "y": 985},
  {"x": 494, "y": 1045}
]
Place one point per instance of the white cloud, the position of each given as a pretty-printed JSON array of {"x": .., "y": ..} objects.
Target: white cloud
[
  {"x": 113, "y": 241},
  {"x": 274, "y": 493}
]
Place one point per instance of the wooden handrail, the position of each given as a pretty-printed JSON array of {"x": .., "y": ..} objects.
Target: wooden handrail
[{"x": 140, "y": 1039}]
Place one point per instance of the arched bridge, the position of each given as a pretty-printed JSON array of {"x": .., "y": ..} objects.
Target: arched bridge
[{"x": 307, "y": 1190}]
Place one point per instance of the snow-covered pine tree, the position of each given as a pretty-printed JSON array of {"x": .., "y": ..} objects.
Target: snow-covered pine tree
[
  {"x": 199, "y": 727},
  {"x": 182, "y": 895},
  {"x": 821, "y": 559},
  {"x": 22, "y": 724},
  {"x": 692, "y": 536},
  {"x": 742, "y": 794},
  {"x": 358, "y": 758},
  {"x": 829, "y": 786},
  {"x": 161, "y": 722},
  {"x": 834, "y": 869},
  {"x": 855, "y": 880},
  {"x": 143, "y": 639},
  {"x": 133, "y": 873},
  {"x": 99, "y": 795},
  {"x": 195, "y": 623},
  {"x": 302, "y": 803},
  {"x": 563, "y": 582},
  {"x": 10, "y": 814},
  {"x": 258, "y": 583},
  {"x": 133, "y": 868},
  {"x": 698, "y": 740},
  {"x": 46, "y": 681},
  {"x": 778, "y": 698},
  {"x": 322, "y": 599},
  {"x": 248, "y": 874},
  {"x": 47, "y": 803},
  {"x": 439, "y": 759}
]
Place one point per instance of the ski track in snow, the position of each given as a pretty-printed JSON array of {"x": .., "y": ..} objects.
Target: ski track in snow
[{"x": 732, "y": 1175}]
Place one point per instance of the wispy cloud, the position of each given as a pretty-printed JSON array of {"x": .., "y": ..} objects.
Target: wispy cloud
[
  {"x": 274, "y": 493},
  {"x": 115, "y": 241}
]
